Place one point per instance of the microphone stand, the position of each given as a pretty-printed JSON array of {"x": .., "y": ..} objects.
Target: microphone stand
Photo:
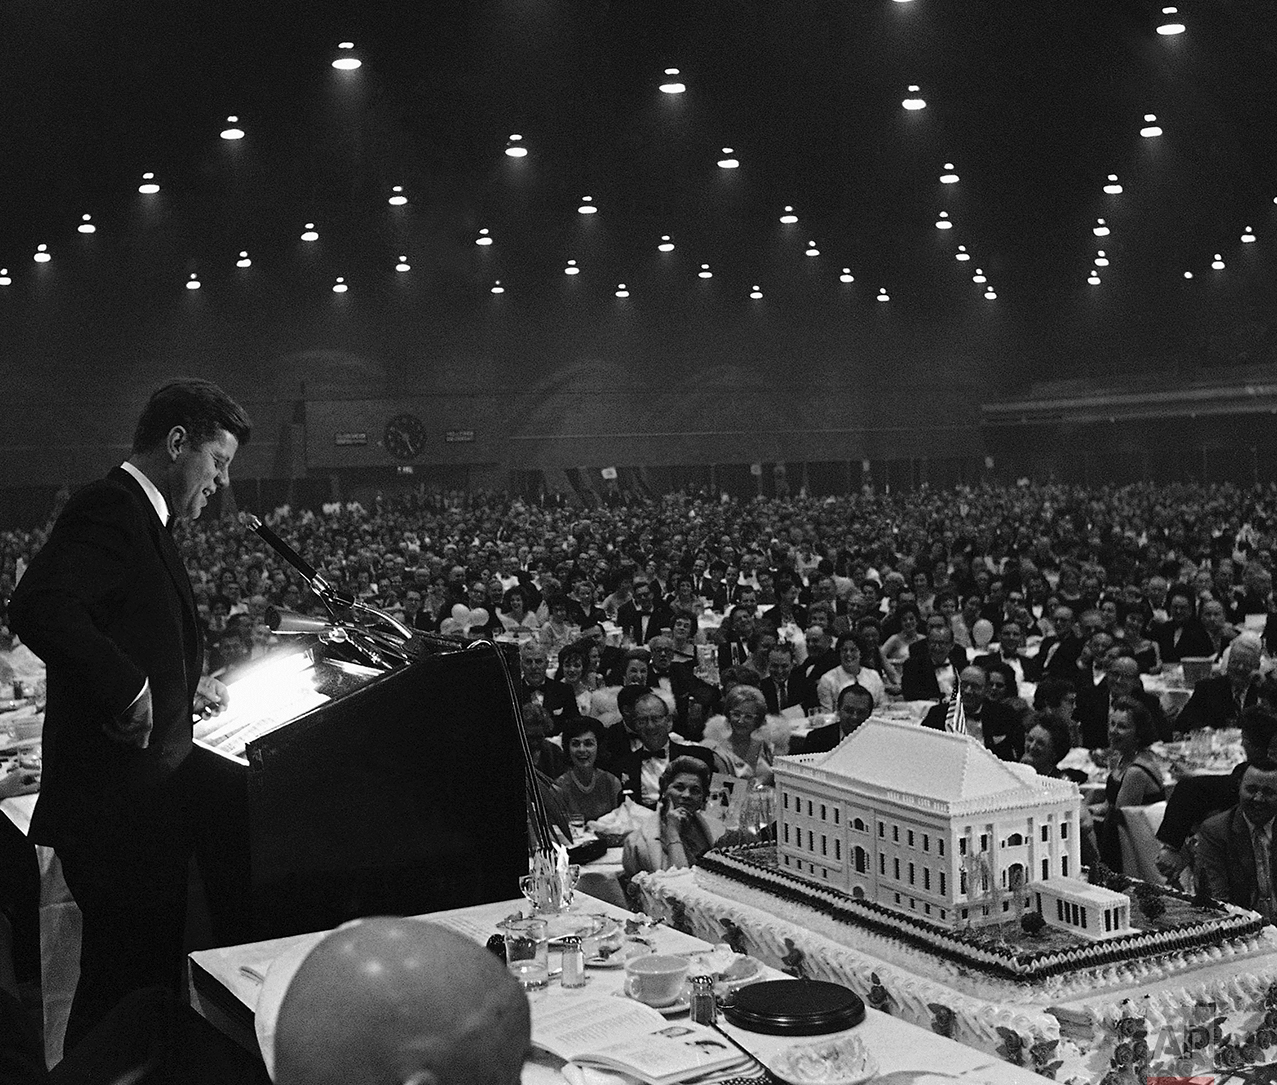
[{"x": 383, "y": 649}]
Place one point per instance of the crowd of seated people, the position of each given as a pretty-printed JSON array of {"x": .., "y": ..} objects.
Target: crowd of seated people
[{"x": 976, "y": 592}]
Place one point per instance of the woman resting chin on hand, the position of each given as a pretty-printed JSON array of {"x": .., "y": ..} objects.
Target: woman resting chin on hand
[{"x": 680, "y": 833}]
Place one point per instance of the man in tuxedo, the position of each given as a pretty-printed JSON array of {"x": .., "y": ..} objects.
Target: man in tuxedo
[
  {"x": 1183, "y": 634},
  {"x": 933, "y": 676},
  {"x": 780, "y": 689},
  {"x": 997, "y": 725},
  {"x": 1235, "y": 859},
  {"x": 651, "y": 751},
  {"x": 107, "y": 604},
  {"x": 644, "y": 616},
  {"x": 536, "y": 687},
  {"x": 1011, "y": 652},
  {"x": 1218, "y": 701},
  {"x": 821, "y": 657}
]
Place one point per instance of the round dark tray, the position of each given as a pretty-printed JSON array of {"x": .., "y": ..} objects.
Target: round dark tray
[{"x": 795, "y": 1008}]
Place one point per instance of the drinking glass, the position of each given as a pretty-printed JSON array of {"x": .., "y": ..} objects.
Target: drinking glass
[{"x": 527, "y": 952}]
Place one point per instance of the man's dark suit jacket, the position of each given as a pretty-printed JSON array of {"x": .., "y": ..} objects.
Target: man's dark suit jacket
[
  {"x": 1193, "y": 800},
  {"x": 640, "y": 628},
  {"x": 1226, "y": 858},
  {"x": 1092, "y": 713},
  {"x": 1212, "y": 704},
  {"x": 918, "y": 678},
  {"x": 818, "y": 740},
  {"x": 725, "y": 654},
  {"x": 1193, "y": 641},
  {"x": 107, "y": 605},
  {"x": 556, "y": 697},
  {"x": 1030, "y": 664},
  {"x": 794, "y": 692},
  {"x": 771, "y": 616},
  {"x": 1063, "y": 663},
  {"x": 627, "y": 765},
  {"x": 1003, "y": 732}
]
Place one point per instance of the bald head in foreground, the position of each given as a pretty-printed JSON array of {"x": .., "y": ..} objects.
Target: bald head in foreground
[{"x": 401, "y": 1002}]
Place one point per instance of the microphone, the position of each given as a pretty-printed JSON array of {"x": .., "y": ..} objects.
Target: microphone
[
  {"x": 289, "y": 621},
  {"x": 330, "y": 597}
]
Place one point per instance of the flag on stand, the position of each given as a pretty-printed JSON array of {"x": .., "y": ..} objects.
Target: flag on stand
[{"x": 956, "y": 719}]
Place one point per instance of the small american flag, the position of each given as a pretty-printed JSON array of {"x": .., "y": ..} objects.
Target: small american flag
[{"x": 955, "y": 719}]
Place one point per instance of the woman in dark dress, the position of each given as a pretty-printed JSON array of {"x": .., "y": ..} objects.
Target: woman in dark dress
[{"x": 1135, "y": 776}]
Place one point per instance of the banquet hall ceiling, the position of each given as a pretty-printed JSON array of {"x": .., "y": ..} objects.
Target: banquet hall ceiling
[{"x": 1034, "y": 104}]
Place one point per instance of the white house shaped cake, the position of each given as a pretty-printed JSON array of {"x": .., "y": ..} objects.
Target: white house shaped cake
[{"x": 926, "y": 822}]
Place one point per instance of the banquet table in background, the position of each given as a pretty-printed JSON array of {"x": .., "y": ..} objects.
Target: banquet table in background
[{"x": 238, "y": 990}]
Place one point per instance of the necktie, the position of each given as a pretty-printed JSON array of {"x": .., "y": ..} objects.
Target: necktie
[{"x": 1263, "y": 874}]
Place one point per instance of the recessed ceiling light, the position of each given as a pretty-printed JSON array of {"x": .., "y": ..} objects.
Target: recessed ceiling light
[
  {"x": 571, "y": 269},
  {"x": 42, "y": 254},
  {"x": 515, "y": 150},
  {"x": 232, "y": 131},
  {"x": 1099, "y": 229},
  {"x": 1248, "y": 236},
  {"x": 705, "y": 272},
  {"x": 497, "y": 288},
  {"x": 310, "y": 233},
  {"x": 1217, "y": 263},
  {"x": 666, "y": 244},
  {"x": 1150, "y": 129},
  {"x": 811, "y": 249},
  {"x": 948, "y": 177},
  {"x": 587, "y": 206},
  {"x": 339, "y": 287},
  {"x": 979, "y": 276},
  {"x": 397, "y": 198},
  {"x": 483, "y": 238},
  {"x": 86, "y": 225},
  {"x": 243, "y": 260},
  {"x": 943, "y": 222},
  {"x": 846, "y": 276},
  {"x": 403, "y": 264},
  {"x": 148, "y": 187},
  {"x": 728, "y": 162},
  {"x": 990, "y": 294},
  {"x": 193, "y": 283},
  {"x": 4, "y": 277},
  {"x": 962, "y": 253},
  {"x": 789, "y": 218},
  {"x": 882, "y": 294},
  {"x": 756, "y": 293},
  {"x": 914, "y": 103},
  {"x": 1112, "y": 188},
  {"x": 621, "y": 292},
  {"x": 672, "y": 86},
  {"x": 346, "y": 63},
  {"x": 1093, "y": 279}
]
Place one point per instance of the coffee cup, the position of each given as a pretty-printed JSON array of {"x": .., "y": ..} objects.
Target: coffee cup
[{"x": 656, "y": 979}]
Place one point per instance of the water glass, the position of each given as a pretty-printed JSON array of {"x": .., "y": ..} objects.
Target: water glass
[{"x": 527, "y": 952}]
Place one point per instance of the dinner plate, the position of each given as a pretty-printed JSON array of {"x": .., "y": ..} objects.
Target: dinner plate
[
  {"x": 833, "y": 1062},
  {"x": 630, "y": 947}
]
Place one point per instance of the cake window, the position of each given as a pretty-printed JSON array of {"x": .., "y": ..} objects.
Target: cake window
[
  {"x": 837, "y": 848},
  {"x": 882, "y": 864},
  {"x": 1046, "y": 833},
  {"x": 882, "y": 829},
  {"x": 911, "y": 877},
  {"x": 1046, "y": 869},
  {"x": 824, "y": 844},
  {"x": 962, "y": 883},
  {"x": 942, "y": 889},
  {"x": 911, "y": 838},
  {"x": 962, "y": 845},
  {"x": 984, "y": 841},
  {"x": 926, "y": 909},
  {"x": 1064, "y": 866},
  {"x": 926, "y": 842},
  {"x": 897, "y": 898},
  {"x": 966, "y": 913},
  {"x": 895, "y": 834},
  {"x": 1064, "y": 830},
  {"x": 786, "y": 832},
  {"x": 940, "y": 844},
  {"x": 926, "y": 877},
  {"x": 809, "y": 807},
  {"x": 785, "y": 799},
  {"x": 896, "y": 865},
  {"x": 858, "y": 825},
  {"x": 837, "y": 811},
  {"x": 822, "y": 811}
]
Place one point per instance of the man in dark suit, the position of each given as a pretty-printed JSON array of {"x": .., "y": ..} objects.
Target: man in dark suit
[
  {"x": 934, "y": 675},
  {"x": 1218, "y": 701},
  {"x": 1196, "y": 797},
  {"x": 639, "y": 768},
  {"x": 1235, "y": 859},
  {"x": 733, "y": 646},
  {"x": 855, "y": 705},
  {"x": 821, "y": 658},
  {"x": 1183, "y": 635},
  {"x": 787, "y": 610},
  {"x": 108, "y": 606},
  {"x": 644, "y": 616},
  {"x": 780, "y": 689},
  {"x": 997, "y": 724},
  {"x": 536, "y": 687},
  {"x": 1121, "y": 679}
]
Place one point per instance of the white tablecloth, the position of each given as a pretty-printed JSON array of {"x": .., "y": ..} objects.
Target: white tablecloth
[{"x": 898, "y": 1046}]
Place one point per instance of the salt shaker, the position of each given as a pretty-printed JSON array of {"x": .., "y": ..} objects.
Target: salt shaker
[
  {"x": 573, "y": 962},
  {"x": 704, "y": 1008}
]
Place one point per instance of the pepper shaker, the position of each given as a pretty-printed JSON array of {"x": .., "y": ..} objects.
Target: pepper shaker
[{"x": 704, "y": 1008}]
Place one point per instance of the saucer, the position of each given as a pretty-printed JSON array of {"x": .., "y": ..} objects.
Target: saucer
[{"x": 680, "y": 1005}]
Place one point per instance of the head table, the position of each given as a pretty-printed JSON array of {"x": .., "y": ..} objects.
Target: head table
[{"x": 228, "y": 985}]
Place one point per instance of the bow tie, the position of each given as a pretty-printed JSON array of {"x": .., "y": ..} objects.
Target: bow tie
[{"x": 656, "y": 755}]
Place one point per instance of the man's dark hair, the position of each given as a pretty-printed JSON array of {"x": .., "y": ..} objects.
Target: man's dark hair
[
  {"x": 783, "y": 646},
  {"x": 1259, "y": 725},
  {"x": 1052, "y": 691},
  {"x": 198, "y": 406},
  {"x": 628, "y": 697},
  {"x": 855, "y": 689}
]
